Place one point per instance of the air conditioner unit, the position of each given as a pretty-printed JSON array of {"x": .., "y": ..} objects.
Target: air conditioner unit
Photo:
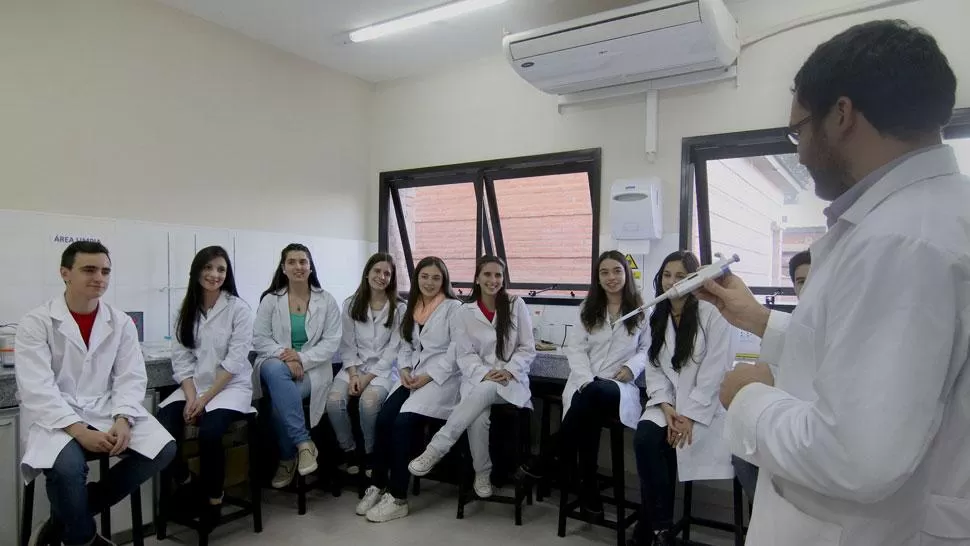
[{"x": 669, "y": 42}]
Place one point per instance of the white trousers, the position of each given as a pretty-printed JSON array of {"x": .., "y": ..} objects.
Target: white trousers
[{"x": 472, "y": 414}]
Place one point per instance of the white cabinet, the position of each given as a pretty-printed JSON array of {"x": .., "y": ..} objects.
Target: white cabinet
[{"x": 10, "y": 483}]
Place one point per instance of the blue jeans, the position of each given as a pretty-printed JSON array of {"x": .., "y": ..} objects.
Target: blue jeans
[
  {"x": 74, "y": 502},
  {"x": 371, "y": 401},
  {"x": 287, "y": 396}
]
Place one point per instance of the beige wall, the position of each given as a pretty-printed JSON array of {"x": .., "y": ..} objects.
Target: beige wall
[
  {"x": 130, "y": 109},
  {"x": 484, "y": 110}
]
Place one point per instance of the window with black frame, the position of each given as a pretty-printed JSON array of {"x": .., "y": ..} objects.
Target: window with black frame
[
  {"x": 539, "y": 213},
  {"x": 746, "y": 193}
]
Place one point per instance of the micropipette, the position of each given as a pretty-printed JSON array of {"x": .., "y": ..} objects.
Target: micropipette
[{"x": 692, "y": 282}]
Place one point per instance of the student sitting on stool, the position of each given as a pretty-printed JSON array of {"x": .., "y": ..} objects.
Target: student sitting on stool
[{"x": 81, "y": 378}]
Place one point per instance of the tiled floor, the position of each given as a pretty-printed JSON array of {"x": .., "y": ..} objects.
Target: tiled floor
[{"x": 432, "y": 522}]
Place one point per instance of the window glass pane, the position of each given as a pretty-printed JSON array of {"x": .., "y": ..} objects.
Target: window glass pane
[
  {"x": 547, "y": 224},
  {"x": 441, "y": 222},
  {"x": 765, "y": 210},
  {"x": 396, "y": 249}
]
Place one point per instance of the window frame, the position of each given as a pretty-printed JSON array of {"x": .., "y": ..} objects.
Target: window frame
[
  {"x": 489, "y": 235},
  {"x": 697, "y": 151}
]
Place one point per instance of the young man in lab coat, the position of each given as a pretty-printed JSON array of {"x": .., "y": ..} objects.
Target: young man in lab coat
[
  {"x": 81, "y": 381},
  {"x": 863, "y": 439}
]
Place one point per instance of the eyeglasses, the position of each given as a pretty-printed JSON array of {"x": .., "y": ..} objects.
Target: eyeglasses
[{"x": 794, "y": 131}]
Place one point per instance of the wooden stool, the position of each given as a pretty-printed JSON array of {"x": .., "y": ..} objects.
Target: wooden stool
[
  {"x": 616, "y": 480},
  {"x": 519, "y": 420},
  {"x": 104, "y": 462},
  {"x": 251, "y": 506}
]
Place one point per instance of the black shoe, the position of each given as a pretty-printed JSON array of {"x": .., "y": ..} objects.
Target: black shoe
[
  {"x": 45, "y": 534},
  {"x": 532, "y": 469},
  {"x": 591, "y": 508},
  {"x": 665, "y": 538}
]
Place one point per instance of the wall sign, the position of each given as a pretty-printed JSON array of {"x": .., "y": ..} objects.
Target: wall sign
[{"x": 68, "y": 239}]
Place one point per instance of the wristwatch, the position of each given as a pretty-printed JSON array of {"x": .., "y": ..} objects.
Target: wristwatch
[{"x": 130, "y": 419}]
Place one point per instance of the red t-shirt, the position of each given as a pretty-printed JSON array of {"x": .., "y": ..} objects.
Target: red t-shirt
[
  {"x": 490, "y": 315},
  {"x": 85, "y": 323}
]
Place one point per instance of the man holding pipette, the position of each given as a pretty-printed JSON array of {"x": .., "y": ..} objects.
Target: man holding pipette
[{"x": 862, "y": 436}]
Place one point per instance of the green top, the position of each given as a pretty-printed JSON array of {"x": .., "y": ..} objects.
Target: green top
[{"x": 298, "y": 337}]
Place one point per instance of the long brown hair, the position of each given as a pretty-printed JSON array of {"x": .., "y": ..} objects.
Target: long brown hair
[
  {"x": 361, "y": 298},
  {"x": 503, "y": 304},
  {"x": 593, "y": 313},
  {"x": 689, "y": 318},
  {"x": 407, "y": 323}
]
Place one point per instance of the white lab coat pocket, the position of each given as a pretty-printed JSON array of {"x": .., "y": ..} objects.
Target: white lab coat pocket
[
  {"x": 779, "y": 522},
  {"x": 947, "y": 517}
]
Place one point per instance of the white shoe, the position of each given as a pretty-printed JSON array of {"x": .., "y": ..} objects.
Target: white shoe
[
  {"x": 424, "y": 462},
  {"x": 371, "y": 497},
  {"x": 483, "y": 485},
  {"x": 284, "y": 474},
  {"x": 307, "y": 459},
  {"x": 387, "y": 509}
]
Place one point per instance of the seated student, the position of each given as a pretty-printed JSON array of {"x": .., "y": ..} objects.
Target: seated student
[
  {"x": 682, "y": 426},
  {"x": 210, "y": 361},
  {"x": 81, "y": 380},
  {"x": 296, "y": 333},
  {"x": 369, "y": 347},
  {"x": 426, "y": 393},
  {"x": 798, "y": 268},
  {"x": 495, "y": 350},
  {"x": 603, "y": 363}
]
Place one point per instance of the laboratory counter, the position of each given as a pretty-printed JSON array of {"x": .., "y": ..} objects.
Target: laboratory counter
[{"x": 549, "y": 367}]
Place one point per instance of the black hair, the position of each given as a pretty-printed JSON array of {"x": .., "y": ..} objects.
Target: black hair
[
  {"x": 896, "y": 75},
  {"x": 593, "y": 312},
  {"x": 361, "y": 298},
  {"x": 503, "y": 304},
  {"x": 407, "y": 322},
  {"x": 802, "y": 258},
  {"x": 689, "y": 324},
  {"x": 82, "y": 247},
  {"x": 280, "y": 281},
  {"x": 192, "y": 303}
]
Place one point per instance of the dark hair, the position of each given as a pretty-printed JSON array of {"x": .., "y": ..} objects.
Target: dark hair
[
  {"x": 414, "y": 295},
  {"x": 894, "y": 74},
  {"x": 82, "y": 247},
  {"x": 280, "y": 281},
  {"x": 361, "y": 298},
  {"x": 689, "y": 318},
  {"x": 593, "y": 312},
  {"x": 192, "y": 303},
  {"x": 798, "y": 260},
  {"x": 503, "y": 304}
]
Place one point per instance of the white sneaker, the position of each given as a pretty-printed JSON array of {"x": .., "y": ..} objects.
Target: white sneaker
[
  {"x": 387, "y": 509},
  {"x": 371, "y": 497},
  {"x": 307, "y": 458},
  {"x": 284, "y": 474},
  {"x": 424, "y": 462},
  {"x": 483, "y": 485}
]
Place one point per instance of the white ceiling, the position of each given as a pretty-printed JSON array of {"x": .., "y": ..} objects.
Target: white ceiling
[{"x": 314, "y": 29}]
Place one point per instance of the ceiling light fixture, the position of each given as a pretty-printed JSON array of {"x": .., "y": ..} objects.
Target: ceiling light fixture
[{"x": 421, "y": 18}]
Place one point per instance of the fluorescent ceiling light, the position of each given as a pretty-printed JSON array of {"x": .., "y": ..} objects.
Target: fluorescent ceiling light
[{"x": 426, "y": 17}]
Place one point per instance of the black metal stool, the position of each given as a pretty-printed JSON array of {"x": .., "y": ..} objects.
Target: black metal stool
[
  {"x": 251, "y": 506},
  {"x": 682, "y": 527},
  {"x": 616, "y": 480},
  {"x": 104, "y": 462},
  {"x": 546, "y": 449},
  {"x": 519, "y": 421}
]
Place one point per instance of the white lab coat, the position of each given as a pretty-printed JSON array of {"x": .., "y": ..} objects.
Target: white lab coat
[
  {"x": 61, "y": 381},
  {"x": 601, "y": 353},
  {"x": 223, "y": 339},
  {"x": 271, "y": 334},
  {"x": 693, "y": 392},
  {"x": 864, "y": 440},
  {"x": 476, "y": 351},
  {"x": 370, "y": 346},
  {"x": 432, "y": 352}
]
